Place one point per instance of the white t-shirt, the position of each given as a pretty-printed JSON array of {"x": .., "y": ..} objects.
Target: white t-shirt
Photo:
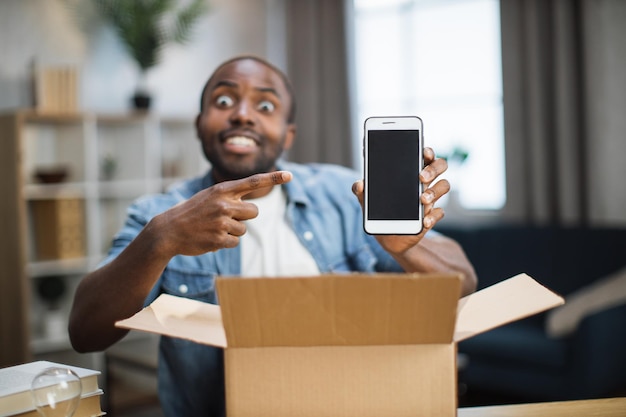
[{"x": 270, "y": 246}]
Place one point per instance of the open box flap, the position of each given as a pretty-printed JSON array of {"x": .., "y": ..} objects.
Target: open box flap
[
  {"x": 335, "y": 310},
  {"x": 180, "y": 317},
  {"x": 412, "y": 308},
  {"x": 507, "y": 301}
]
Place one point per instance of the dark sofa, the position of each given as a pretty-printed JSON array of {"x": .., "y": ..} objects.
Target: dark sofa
[{"x": 519, "y": 361}]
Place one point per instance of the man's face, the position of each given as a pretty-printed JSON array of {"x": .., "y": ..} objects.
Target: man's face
[{"x": 243, "y": 127}]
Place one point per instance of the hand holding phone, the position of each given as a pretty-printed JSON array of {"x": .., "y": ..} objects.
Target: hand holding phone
[{"x": 393, "y": 153}]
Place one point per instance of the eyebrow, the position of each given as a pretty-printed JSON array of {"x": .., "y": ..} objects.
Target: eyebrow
[
  {"x": 269, "y": 90},
  {"x": 225, "y": 83}
]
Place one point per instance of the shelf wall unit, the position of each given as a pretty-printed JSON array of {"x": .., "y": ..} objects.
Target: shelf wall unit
[{"x": 109, "y": 160}]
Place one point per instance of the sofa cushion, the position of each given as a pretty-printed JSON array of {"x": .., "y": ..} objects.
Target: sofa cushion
[
  {"x": 521, "y": 343},
  {"x": 600, "y": 295},
  {"x": 520, "y": 359},
  {"x": 562, "y": 258}
]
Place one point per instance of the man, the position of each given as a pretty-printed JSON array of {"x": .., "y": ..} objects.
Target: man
[{"x": 308, "y": 223}]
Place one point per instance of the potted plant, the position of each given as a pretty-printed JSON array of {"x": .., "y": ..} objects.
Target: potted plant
[{"x": 145, "y": 27}]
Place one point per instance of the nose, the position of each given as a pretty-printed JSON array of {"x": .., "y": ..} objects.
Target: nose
[{"x": 242, "y": 114}]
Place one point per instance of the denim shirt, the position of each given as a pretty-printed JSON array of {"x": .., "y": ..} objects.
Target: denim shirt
[{"x": 326, "y": 217}]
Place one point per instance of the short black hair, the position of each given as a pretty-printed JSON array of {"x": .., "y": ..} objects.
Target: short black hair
[{"x": 291, "y": 116}]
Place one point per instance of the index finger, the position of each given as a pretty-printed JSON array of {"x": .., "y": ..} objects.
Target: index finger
[{"x": 244, "y": 186}]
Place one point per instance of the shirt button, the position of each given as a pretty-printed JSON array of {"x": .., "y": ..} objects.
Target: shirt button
[
  {"x": 183, "y": 288},
  {"x": 308, "y": 235}
]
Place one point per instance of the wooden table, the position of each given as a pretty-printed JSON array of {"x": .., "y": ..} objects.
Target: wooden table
[{"x": 609, "y": 407}]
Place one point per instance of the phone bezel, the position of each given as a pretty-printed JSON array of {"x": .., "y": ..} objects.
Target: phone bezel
[{"x": 395, "y": 227}]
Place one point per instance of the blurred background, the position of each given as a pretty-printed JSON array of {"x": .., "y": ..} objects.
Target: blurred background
[{"x": 525, "y": 98}]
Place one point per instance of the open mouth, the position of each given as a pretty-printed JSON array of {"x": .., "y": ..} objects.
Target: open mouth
[{"x": 240, "y": 141}]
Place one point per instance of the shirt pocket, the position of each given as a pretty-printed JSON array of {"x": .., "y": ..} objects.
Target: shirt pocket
[{"x": 190, "y": 283}]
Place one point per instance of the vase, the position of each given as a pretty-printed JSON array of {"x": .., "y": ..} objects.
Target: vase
[
  {"x": 141, "y": 101},
  {"x": 142, "y": 98}
]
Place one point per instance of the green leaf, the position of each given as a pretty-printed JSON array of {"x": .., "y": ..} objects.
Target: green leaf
[{"x": 141, "y": 25}]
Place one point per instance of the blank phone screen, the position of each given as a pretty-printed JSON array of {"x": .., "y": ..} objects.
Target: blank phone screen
[{"x": 393, "y": 175}]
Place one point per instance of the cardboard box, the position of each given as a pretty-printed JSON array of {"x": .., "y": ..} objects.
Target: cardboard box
[{"x": 342, "y": 345}]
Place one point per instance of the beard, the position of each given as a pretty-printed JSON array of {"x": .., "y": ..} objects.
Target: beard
[{"x": 234, "y": 167}]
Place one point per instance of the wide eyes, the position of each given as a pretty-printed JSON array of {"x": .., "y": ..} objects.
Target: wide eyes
[
  {"x": 266, "y": 106},
  {"x": 225, "y": 102}
]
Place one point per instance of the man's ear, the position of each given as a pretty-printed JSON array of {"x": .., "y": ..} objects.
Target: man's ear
[
  {"x": 198, "y": 125},
  {"x": 290, "y": 135}
]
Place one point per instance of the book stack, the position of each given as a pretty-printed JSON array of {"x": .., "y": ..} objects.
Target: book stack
[{"x": 16, "y": 398}]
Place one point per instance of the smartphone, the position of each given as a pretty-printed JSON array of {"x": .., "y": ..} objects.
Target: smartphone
[{"x": 393, "y": 159}]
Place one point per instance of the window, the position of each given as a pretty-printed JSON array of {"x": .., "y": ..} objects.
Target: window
[{"x": 440, "y": 60}]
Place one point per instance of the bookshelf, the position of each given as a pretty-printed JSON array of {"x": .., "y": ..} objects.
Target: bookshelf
[{"x": 66, "y": 181}]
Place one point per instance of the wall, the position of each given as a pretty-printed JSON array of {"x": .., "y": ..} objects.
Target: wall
[{"x": 47, "y": 31}]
